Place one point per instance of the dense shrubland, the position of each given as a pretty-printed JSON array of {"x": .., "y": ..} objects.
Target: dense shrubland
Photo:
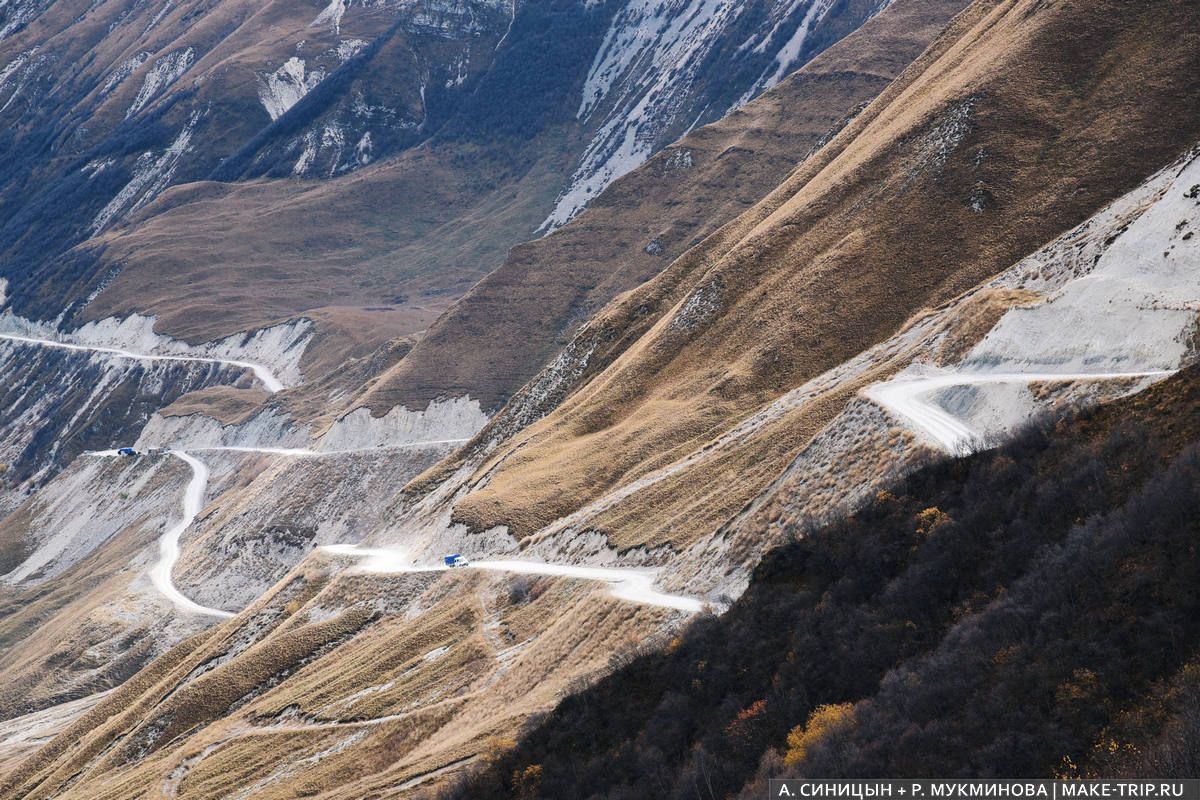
[{"x": 1028, "y": 611}]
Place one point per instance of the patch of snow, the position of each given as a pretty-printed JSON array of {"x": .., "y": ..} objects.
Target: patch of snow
[
  {"x": 789, "y": 54},
  {"x": 452, "y": 19},
  {"x": 162, "y": 12},
  {"x": 307, "y": 155},
  {"x": 21, "y": 70},
  {"x": 330, "y": 144},
  {"x": 681, "y": 158},
  {"x": 363, "y": 149},
  {"x": 13, "y": 66},
  {"x": 650, "y": 56},
  {"x": 166, "y": 71},
  {"x": 96, "y": 166},
  {"x": 278, "y": 91},
  {"x": 460, "y": 69},
  {"x": 20, "y": 12},
  {"x": 333, "y": 137},
  {"x": 647, "y": 65}
]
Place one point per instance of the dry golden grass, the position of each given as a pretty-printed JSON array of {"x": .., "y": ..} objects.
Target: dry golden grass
[
  {"x": 449, "y": 665},
  {"x": 507, "y": 327},
  {"x": 1054, "y": 110},
  {"x": 226, "y": 404}
]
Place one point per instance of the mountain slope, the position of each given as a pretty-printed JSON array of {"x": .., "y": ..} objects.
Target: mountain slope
[
  {"x": 969, "y": 622},
  {"x": 522, "y": 314},
  {"x": 165, "y": 95},
  {"x": 940, "y": 183},
  {"x": 881, "y": 308}
]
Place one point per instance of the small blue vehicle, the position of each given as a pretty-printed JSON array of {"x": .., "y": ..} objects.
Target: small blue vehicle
[
  {"x": 127, "y": 451},
  {"x": 456, "y": 560}
]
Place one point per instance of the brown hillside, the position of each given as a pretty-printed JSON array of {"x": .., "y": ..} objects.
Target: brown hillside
[
  {"x": 313, "y": 691},
  {"x": 1021, "y": 121},
  {"x": 407, "y": 236},
  {"x": 513, "y": 322}
]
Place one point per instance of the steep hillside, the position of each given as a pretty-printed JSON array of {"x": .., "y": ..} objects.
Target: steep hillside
[
  {"x": 890, "y": 261},
  {"x": 996, "y": 616},
  {"x": 519, "y": 317},
  {"x": 215, "y": 173},
  {"x": 1016, "y": 125},
  {"x": 262, "y": 513},
  {"x": 508, "y": 105}
]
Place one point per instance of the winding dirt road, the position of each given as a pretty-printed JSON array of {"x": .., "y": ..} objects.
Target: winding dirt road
[
  {"x": 168, "y": 544},
  {"x": 271, "y": 383},
  {"x": 907, "y": 398},
  {"x": 634, "y": 585}
]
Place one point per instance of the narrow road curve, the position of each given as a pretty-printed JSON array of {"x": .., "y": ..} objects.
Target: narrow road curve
[
  {"x": 168, "y": 544},
  {"x": 634, "y": 585},
  {"x": 268, "y": 379},
  {"x": 906, "y": 397},
  {"x": 193, "y": 502}
]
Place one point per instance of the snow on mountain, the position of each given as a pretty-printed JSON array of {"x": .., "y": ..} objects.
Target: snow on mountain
[
  {"x": 17, "y": 14},
  {"x": 651, "y": 54},
  {"x": 19, "y": 72},
  {"x": 123, "y": 71},
  {"x": 331, "y": 15}
]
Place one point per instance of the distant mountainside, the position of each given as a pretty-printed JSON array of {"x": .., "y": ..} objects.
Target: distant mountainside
[
  {"x": 377, "y": 154},
  {"x": 522, "y": 314},
  {"x": 792, "y": 346},
  {"x": 348, "y": 169}
]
